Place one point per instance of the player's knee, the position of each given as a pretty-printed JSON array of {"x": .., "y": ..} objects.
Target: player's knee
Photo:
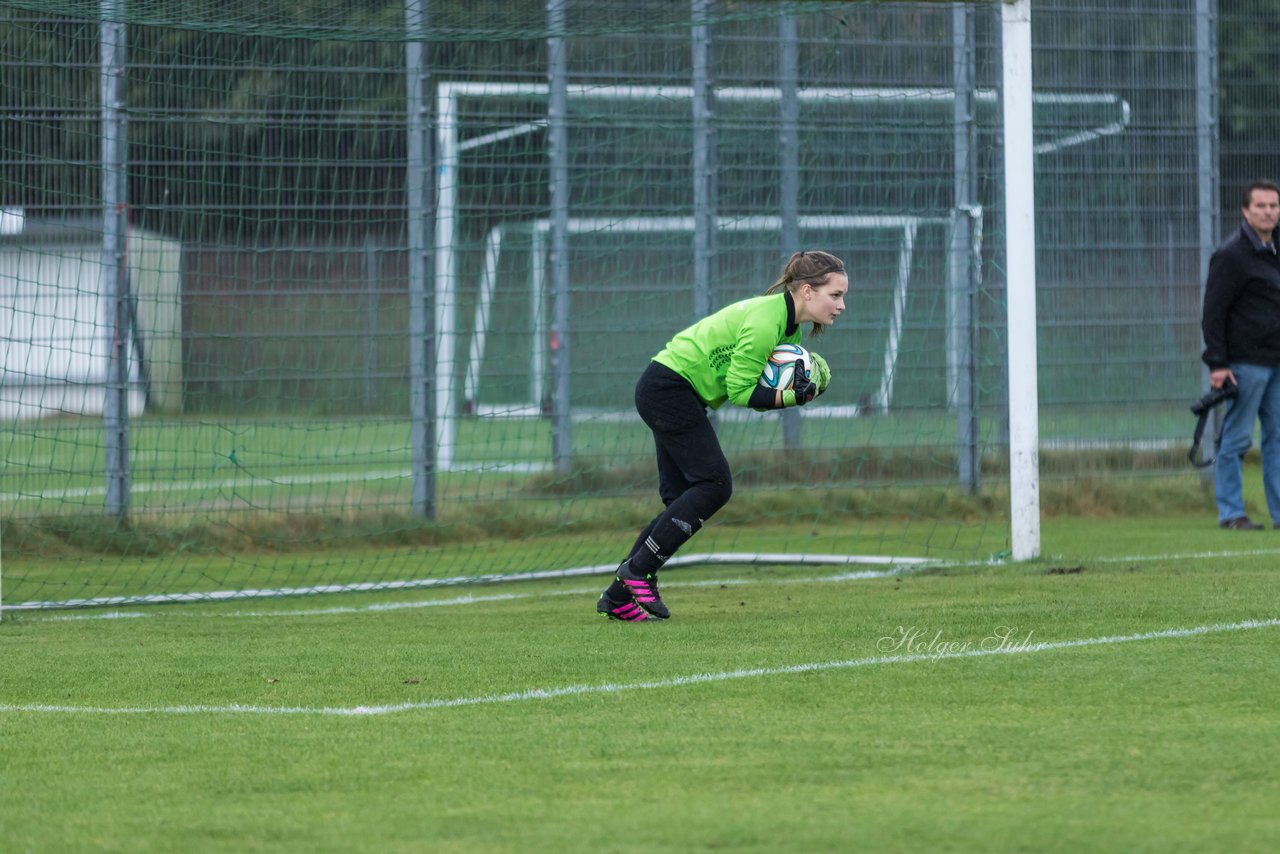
[{"x": 718, "y": 491}]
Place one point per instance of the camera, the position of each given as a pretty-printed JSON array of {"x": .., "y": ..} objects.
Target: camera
[{"x": 1213, "y": 397}]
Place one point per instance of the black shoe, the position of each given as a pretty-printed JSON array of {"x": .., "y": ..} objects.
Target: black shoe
[
  {"x": 627, "y": 611},
  {"x": 644, "y": 590},
  {"x": 1240, "y": 523}
]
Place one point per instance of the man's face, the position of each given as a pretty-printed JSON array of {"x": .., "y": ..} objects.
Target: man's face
[{"x": 1262, "y": 212}]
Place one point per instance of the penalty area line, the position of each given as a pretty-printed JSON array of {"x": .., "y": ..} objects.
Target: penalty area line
[{"x": 1017, "y": 648}]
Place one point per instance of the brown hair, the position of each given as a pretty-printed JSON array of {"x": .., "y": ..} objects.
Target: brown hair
[
  {"x": 810, "y": 266},
  {"x": 1260, "y": 184}
]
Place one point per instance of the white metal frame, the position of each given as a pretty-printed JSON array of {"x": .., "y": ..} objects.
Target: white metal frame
[
  {"x": 450, "y": 147},
  {"x": 1020, "y": 243},
  {"x": 1019, "y": 148},
  {"x": 907, "y": 226}
]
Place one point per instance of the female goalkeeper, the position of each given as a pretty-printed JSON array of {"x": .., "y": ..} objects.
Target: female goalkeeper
[{"x": 718, "y": 358}]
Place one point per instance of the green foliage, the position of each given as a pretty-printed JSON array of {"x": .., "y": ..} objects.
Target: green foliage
[
  {"x": 216, "y": 90},
  {"x": 1247, "y": 58}
]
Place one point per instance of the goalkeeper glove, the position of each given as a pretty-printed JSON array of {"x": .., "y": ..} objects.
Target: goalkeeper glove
[
  {"x": 802, "y": 388},
  {"x": 821, "y": 372}
]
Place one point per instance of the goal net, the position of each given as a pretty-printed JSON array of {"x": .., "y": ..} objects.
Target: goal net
[
  {"x": 304, "y": 198},
  {"x": 859, "y": 163},
  {"x": 866, "y": 242}
]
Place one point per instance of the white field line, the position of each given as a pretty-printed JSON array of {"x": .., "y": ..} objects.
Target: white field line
[
  {"x": 899, "y": 566},
  {"x": 246, "y": 480},
  {"x": 304, "y": 612},
  {"x": 1184, "y": 556},
  {"x": 1016, "y": 648},
  {"x": 241, "y": 482},
  {"x": 712, "y": 559},
  {"x": 466, "y": 599}
]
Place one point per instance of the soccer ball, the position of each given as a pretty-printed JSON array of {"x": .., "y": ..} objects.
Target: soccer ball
[{"x": 779, "y": 370}]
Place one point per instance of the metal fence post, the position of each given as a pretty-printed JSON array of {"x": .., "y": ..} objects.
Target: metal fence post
[
  {"x": 115, "y": 274},
  {"x": 423, "y": 339},
  {"x": 558, "y": 138}
]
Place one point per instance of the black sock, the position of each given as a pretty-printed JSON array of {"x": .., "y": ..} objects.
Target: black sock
[{"x": 617, "y": 591}]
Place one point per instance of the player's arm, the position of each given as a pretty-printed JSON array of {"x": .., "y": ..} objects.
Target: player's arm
[
  {"x": 742, "y": 382},
  {"x": 764, "y": 399},
  {"x": 802, "y": 390}
]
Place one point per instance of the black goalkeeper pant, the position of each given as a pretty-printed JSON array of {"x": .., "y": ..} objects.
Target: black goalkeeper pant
[{"x": 693, "y": 475}]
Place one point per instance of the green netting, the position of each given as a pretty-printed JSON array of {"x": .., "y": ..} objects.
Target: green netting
[
  {"x": 274, "y": 289},
  {"x": 453, "y": 20}
]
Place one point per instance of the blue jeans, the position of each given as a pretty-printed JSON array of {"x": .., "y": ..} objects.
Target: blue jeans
[{"x": 1259, "y": 398}]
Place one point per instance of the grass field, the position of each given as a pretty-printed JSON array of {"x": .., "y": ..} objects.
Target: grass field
[
  {"x": 194, "y": 464},
  {"x": 1117, "y": 695},
  {"x": 326, "y": 502}
]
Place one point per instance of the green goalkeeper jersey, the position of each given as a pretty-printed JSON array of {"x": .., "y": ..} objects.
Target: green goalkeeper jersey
[{"x": 723, "y": 355}]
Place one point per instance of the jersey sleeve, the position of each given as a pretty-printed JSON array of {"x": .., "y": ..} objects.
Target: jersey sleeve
[
  {"x": 764, "y": 399},
  {"x": 757, "y": 336}
]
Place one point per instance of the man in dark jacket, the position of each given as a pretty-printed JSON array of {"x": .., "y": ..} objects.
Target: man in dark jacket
[{"x": 1241, "y": 326}]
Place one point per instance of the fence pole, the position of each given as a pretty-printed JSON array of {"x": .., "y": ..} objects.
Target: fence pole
[
  {"x": 423, "y": 339},
  {"x": 961, "y": 267},
  {"x": 704, "y": 201},
  {"x": 789, "y": 156},
  {"x": 558, "y": 139},
  {"x": 1209, "y": 177},
  {"x": 115, "y": 277}
]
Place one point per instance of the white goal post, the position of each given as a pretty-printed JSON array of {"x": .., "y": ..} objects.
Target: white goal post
[
  {"x": 1019, "y": 149},
  {"x": 451, "y": 146},
  {"x": 904, "y": 227}
]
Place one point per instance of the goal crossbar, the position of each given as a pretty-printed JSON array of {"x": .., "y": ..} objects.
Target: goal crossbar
[
  {"x": 1016, "y": 100},
  {"x": 450, "y": 146}
]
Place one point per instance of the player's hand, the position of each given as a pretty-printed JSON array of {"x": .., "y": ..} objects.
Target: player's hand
[
  {"x": 821, "y": 373},
  {"x": 802, "y": 390}
]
